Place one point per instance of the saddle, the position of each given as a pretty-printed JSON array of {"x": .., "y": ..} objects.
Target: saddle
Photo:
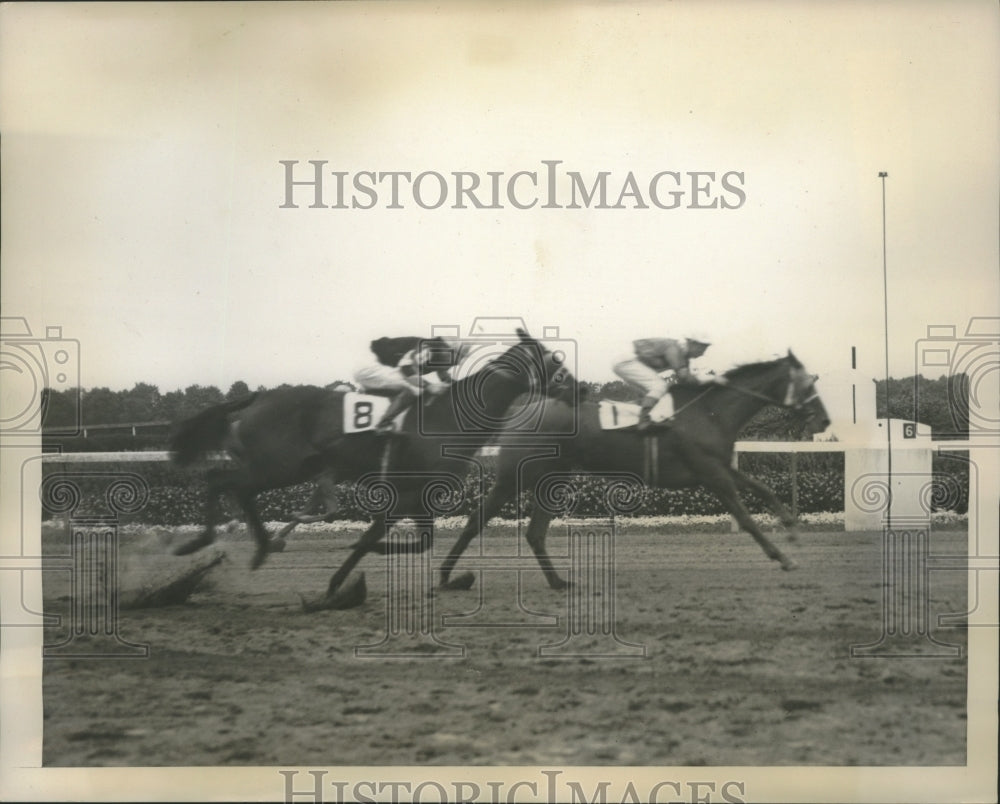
[
  {"x": 617, "y": 415},
  {"x": 625, "y": 416}
]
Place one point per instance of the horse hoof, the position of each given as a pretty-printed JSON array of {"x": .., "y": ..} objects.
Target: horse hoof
[
  {"x": 460, "y": 583},
  {"x": 259, "y": 555},
  {"x": 349, "y": 596},
  {"x": 788, "y": 565},
  {"x": 276, "y": 545},
  {"x": 559, "y": 585}
]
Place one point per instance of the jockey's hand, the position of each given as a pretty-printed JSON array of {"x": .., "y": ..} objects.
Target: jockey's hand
[{"x": 436, "y": 388}]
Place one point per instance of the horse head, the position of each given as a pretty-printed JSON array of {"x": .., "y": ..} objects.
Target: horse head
[
  {"x": 492, "y": 380},
  {"x": 803, "y": 398},
  {"x": 549, "y": 369},
  {"x": 786, "y": 383}
]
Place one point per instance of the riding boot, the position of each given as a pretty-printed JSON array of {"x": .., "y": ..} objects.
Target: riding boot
[
  {"x": 648, "y": 403},
  {"x": 400, "y": 402}
]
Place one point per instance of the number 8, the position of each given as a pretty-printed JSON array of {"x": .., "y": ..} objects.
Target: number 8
[{"x": 362, "y": 415}]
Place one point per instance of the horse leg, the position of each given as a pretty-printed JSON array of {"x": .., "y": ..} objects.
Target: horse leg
[
  {"x": 322, "y": 506},
  {"x": 478, "y": 520},
  {"x": 785, "y": 516},
  {"x": 366, "y": 544},
  {"x": 724, "y": 487},
  {"x": 307, "y": 514},
  {"x": 313, "y": 511},
  {"x": 215, "y": 480},
  {"x": 256, "y": 527},
  {"x": 537, "y": 528}
]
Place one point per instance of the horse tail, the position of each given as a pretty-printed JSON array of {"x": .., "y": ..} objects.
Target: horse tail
[{"x": 204, "y": 431}]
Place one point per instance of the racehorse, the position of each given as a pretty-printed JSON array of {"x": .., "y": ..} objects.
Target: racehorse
[
  {"x": 292, "y": 434},
  {"x": 449, "y": 433},
  {"x": 696, "y": 450},
  {"x": 274, "y": 439}
]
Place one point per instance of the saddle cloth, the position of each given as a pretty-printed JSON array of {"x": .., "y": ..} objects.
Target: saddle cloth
[
  {"x": 363, "y": 411},
  {"x": 616, "y": 415}
]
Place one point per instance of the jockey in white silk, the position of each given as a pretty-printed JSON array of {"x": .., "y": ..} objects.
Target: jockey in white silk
[
  {"x": 402, "y": 366},
  {"x": 650, "y": 366}
]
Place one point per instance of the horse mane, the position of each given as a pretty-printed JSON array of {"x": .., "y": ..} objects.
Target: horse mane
[{"x": 752, "y": 369}]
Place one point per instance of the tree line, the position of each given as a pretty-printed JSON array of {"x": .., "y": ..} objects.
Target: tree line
[{"x": 939, "y": 403}]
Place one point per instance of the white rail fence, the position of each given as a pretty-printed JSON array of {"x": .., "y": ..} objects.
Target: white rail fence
[
  {"x": 861, "y": 463},
  {"x": 152, "y": 456}
]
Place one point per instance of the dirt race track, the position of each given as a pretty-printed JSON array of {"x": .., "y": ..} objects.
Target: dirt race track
[{"x": 744, "y": 664}]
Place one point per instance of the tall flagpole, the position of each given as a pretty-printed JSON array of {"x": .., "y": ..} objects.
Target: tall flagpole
[{"x": 885, "y": 314}]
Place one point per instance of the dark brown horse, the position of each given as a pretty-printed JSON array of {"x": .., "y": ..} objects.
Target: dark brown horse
[
  {"x": 274, "y": 439},
  {"x": 696, "y": 450},
  {"x": 434, "y": 451},
  {"x": 293, "y": 434}
]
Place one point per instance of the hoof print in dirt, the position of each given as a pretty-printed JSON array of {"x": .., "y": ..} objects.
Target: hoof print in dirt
[{"x": 171, "y": 588}]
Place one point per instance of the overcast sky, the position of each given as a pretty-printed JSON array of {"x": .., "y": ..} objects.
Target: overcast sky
[{"x": 143, "y": 184}]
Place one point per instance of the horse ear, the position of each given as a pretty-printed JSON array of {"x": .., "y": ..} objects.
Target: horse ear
[
  {"x": 794, "y": 359},
  {"x": 524, "y": 336}
]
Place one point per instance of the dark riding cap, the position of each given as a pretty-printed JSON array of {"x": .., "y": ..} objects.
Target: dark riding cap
[{"x": 390, "y": 351}]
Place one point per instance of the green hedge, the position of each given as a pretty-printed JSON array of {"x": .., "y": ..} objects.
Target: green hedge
[{"x": 177, "y": 498}]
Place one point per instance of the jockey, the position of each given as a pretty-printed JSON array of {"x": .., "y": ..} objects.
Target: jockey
[
  {"x": 402, "y": 364},
  {"x": 649, "y": 366}
]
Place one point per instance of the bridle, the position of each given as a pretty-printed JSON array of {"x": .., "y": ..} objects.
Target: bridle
[
  {"x": 789, "y": 401},
  {"x": 542, "y": 384}
]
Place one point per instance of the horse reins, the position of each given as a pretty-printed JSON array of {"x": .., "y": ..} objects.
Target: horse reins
[{"x": 788, "y": 402}]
